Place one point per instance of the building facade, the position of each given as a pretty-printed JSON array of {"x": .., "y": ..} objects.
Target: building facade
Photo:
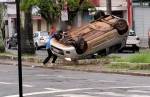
[
  {"x": 141, "y": 18},
  {"x": 39, "y": 24}
]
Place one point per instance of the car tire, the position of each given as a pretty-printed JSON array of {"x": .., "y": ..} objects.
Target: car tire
[
  {"x": 135, "y": 48},
  {"x": 121, "y": 26},
  {"x": 80, "y": 45}
]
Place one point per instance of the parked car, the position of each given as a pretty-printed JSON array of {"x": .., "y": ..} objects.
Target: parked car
[
  {"x": 132, "y": 43},
  {"x": 40, "y": 38},
  {"x": 12, "y": 41},
  {"x": 103, "y": 35}
]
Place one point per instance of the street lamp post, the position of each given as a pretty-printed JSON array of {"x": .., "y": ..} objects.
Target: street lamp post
[{"x": 19, "y": 48}]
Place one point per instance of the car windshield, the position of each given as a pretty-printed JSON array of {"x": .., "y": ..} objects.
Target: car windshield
[
  {"x": 44, "y": 33},
  {"x": 132, "y": 33}
]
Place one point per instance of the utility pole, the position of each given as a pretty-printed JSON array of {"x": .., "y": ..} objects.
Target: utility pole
[
  {"x": 108, "y": 7},
  {"x": 19, "y": 48}
]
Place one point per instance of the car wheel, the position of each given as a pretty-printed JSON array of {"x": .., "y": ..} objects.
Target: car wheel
[
  {"x": 81, "y": 45},
  {"x": 121, "y": 26},
  {"x": 136, "y": 48}
]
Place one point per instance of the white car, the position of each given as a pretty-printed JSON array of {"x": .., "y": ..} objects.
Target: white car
[
  {"x": 104, "y": 35},
  {"x": 40, "y": 39},
  {"x": 133, "y": 42}
]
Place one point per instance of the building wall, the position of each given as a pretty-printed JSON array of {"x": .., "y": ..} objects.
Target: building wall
[
  {"x": 142, "y": 24},
  {"x": 34, "y": 25},
  {"x": 41, "y": 27},
  {"x": 118, "y": 7},
  {"x": 141, "y": 17},
  {"x": 114, "y": 3}
]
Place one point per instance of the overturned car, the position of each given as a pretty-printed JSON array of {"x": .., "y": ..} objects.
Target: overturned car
[{"x": 103, "y": 36}]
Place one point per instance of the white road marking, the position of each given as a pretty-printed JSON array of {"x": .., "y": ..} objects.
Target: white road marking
[
  {"x": 42, "y": 75},
  {"x": 6, "y": 83},
  {"x": 74, "y": 95},
  {"x": 124, "y": 87},
  {"x": 50, "y": 92},
  {"x": 52, "y": 89},
  {"x": 111, "y": 94},
  {"x": 80, "y": 89},
  {"x": 138, "y": 96},
  {"x": 29, "y": 86},
  {"x": 138, "y": 91}
]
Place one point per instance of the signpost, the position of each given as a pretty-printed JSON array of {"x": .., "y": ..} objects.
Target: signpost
[{"x": 19, "y": 48}]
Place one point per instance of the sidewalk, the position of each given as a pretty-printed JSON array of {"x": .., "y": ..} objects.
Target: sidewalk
[{"x": 88, "y": 65}]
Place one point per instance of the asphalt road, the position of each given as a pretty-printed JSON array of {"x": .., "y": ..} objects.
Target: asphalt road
[{"x": 43, "y": 82}]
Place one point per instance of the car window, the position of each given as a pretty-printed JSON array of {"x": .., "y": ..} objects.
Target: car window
[
  {"x": 132, "y": 34},
  {"x": 35, "y": 35},
  {"x": 44, "y": 33}
]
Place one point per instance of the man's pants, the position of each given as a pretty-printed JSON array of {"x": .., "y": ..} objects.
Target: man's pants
[{"x": 50, "y": 54}]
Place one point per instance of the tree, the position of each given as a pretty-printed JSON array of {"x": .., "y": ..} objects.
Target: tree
[
  {"x": 27, "y": 42},
  {"x": 49, "y": 10},
  {"x": 78, "y": 5},
  {"x": 2, "y": 28}
]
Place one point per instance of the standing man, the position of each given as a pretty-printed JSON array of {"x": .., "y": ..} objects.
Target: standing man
[{"x": 48, "y": 48}]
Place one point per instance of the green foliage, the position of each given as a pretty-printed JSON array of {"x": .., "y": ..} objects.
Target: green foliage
[
  {"x": 86, "y": 5},
  {"x": 26, "y": 4},
  {"x": 128, "y": 66},
  {"x": 49, "y": 10},
  {"x": 2, "y": 10},
  {"x": 2, "y": 47},
  {"x": 74, "y": 7},
  {"x": 138, "y": 61},
  {"x": 140, "y": 58},
  {"x": 118, "y": 66},
  {"x": 74, "y": 4}
]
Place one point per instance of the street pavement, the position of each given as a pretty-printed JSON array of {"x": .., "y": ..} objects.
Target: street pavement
[{"x": 44, "y": 82}]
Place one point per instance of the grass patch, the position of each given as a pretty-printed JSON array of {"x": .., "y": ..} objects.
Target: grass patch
[
  {"x": 143, "y": 57},
  {"x": 128, "y": 66},
  {"x": 7, "y": 53}
]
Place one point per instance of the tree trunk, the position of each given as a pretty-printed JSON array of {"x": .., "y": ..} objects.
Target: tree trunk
[
  {"x": 27, "y": 34},
  {"x": 2, "y": 47}
]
